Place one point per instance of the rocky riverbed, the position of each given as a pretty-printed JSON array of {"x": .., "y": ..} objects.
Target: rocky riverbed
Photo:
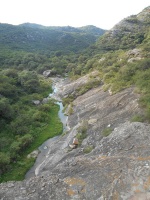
[{"x": 116, "y": 167}]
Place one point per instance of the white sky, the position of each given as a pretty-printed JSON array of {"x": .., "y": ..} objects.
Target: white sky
[{"x": 101, "y": 13}]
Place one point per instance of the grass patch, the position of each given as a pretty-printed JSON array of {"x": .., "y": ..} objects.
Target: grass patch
[
  {"x": 81, "y": 135},
  {"x": 107, "y": 131},
  {"x": 137, "y": 118},
  {"x": 18, "y": 170},
  {"x": 88, "y": 149}
]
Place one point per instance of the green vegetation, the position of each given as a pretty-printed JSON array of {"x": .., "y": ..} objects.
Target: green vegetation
[
  {"x": 88, "y": 149},
  {"x": 23, "y": 124},
  {"x": 70, "y": 111},
  {"x": 121, "y": 56},
  {"x": 46, "y": 40},
  {"x": 16, "y": 170},
  {"x": 138, "y": 118},
  {"x": 81, "y": 135},
  {"x": 107, "y": 131}
]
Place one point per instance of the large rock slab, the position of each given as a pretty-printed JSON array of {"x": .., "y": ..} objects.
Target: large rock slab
[{"x": 117, "y": 167}]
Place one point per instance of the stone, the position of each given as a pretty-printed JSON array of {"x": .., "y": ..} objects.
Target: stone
[
  {"x": 134, "y": 59},
  {"x": 72, "y": 146},
  {"x": 134, "y": 52},
  {"x": 11, "y": 185},
  {"x": 33, "y": 154},
  {"x": 47, "y": 73},
  {"x": 102, "y": 59},
  {"x": 36, "y": 102},
  {"x": 92, "y": 121},
  {"x": 45, "y": 100},
  {"x": 75, "y": 141}
]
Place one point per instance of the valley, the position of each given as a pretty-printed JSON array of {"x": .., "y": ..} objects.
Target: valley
[{"x": 101, "y": 93}]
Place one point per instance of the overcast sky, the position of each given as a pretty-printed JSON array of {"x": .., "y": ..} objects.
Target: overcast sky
[{"x": 101, "y": 13}]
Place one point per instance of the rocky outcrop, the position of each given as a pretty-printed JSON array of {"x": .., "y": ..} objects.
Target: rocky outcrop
[
  {"x": 47, "y": 73},
  {"x": 117, "y": 166},
  {"x": 123, "y": 34},
  {"x": 36, "y": 102},
  {"x": 134, "y": 55},
  {"x": 72, "y": 86}
]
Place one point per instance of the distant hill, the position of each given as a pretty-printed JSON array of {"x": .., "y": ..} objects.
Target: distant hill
[{"x": 38, "y": 38}]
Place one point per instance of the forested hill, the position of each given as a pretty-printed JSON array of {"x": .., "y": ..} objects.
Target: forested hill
[{"x": 38, "y": 38}]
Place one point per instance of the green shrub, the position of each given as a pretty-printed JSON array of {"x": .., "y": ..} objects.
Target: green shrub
[
  {"x": 83, "y": 128},
  {"x": 70, "y": 111},
  {"x": 80, "y": 137}
]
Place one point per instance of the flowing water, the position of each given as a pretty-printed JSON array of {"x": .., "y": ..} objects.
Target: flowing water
[{"x": 44, "y": 148}]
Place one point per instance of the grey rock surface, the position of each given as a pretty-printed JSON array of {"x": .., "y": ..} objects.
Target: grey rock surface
[
  {"x": 118, "y": 166},
  {"x": 47, "y": 73}
]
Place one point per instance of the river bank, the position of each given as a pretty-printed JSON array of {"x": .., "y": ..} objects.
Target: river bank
[{"x": 44, "y": 148}]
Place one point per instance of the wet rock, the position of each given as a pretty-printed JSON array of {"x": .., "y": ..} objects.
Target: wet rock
[{"x": 45, "y": 147}]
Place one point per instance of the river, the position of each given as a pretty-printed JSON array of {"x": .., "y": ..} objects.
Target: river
[{"x": 44, "y": 148}]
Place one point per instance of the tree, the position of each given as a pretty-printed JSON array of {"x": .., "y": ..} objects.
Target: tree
[
  {"x": 4, "y": 161},
  {"x": 6, "y": 111}
]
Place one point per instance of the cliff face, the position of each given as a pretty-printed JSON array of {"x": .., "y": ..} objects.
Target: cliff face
[{"x": 112, "y": 167}]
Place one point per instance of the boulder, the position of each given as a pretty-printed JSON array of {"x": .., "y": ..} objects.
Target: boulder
[
  {"x": 75, "y": 141},
  {"x": 33, "y": 154},
  {"x": 72, "y": 146},
  {"x": 134, "y": 52},
  {"x": 36, "y": 102},
  {"x": 134, "y": 59},
  {"x": 45, "y": 100},
  {"x": 47, "y": 73},
  {"x": 92, "y": 121}
]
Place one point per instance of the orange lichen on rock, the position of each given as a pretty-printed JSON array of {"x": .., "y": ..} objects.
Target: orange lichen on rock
[
  {"x": 74, "y": 181},
  {"x": 147, "y": 184},
  {"x": 143, "y": 158},
  {"x": 70, "y": 192}
]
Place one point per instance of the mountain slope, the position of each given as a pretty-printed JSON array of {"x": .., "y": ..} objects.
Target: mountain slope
[
  {"x": 128, "y": 33},
  {"x": 37, "y": 38}
]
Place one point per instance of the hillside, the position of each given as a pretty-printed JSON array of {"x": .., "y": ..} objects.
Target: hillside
[
  {"x": 37, "y": 38},
  {"x": 127, "y": 34},
  {"x": 105, "y": 90}
]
